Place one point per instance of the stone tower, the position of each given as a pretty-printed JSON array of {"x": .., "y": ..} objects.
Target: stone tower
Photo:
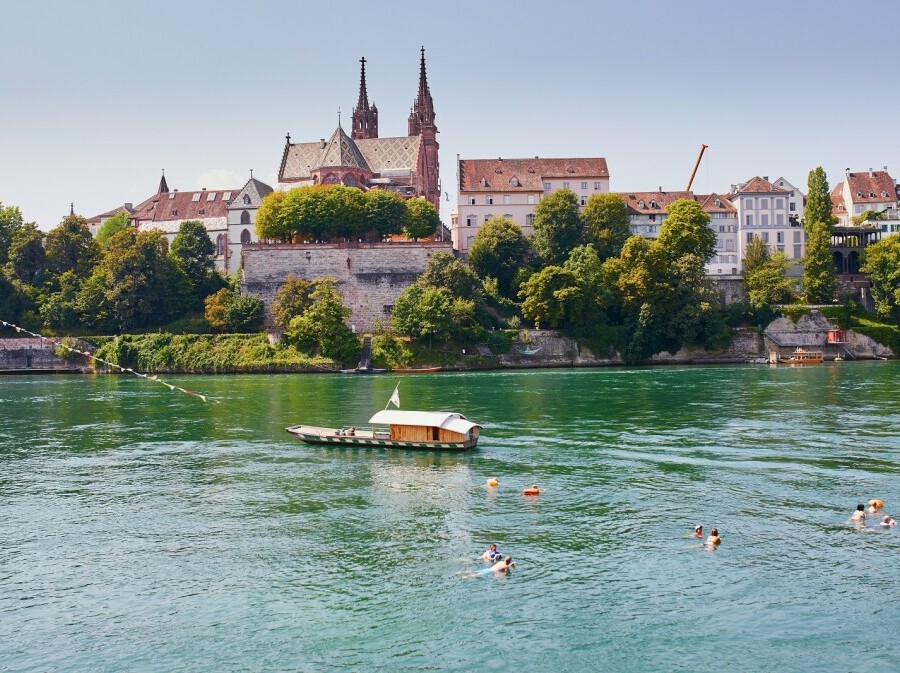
[
  {"x": 365, "y": 118},
  {"x": 421, "y": 123}
]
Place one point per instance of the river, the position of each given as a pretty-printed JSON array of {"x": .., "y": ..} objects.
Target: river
[{"x": 143, "y": 530}]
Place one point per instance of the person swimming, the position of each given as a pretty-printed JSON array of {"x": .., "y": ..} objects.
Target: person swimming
[
  {"x": 888, "y": 521},
  {"x": 492, "y": 554},
  {"x": 713, "y": 540},
  {"x": 503, "y": 566},
  {"x": 875, "y": 506},
  {"x": 859, "y": 516},
  {"x": 698, "y": 532}
]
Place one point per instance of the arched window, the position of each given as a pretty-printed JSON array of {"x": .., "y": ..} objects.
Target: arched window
[
  {"x": 330, "y": 179},
  {"x": 246, "y": 199},
  {"x": 245, "y": 237},
  {"x": 350, "y": 180},
  {"x": 245, "y": 217},
  {"x": 220, "y": 244}
]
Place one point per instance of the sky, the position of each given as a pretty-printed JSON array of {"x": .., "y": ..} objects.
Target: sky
[{"x": 99, "y": 96}]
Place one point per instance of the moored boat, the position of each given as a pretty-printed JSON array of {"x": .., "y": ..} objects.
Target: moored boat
[
  {"x": 802, "y": 356},
  {"x": 416, "y": 370}
]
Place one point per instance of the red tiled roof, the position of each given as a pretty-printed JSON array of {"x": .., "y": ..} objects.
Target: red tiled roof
[
  {"x": 526, "y": 175},
  {"x": 871, "y": 187},
  {"x": 97, "y": 219},
  {"x": 709, "y": 205},
  {"x": 642, "y": 203},
  {"x": 758, "y": 185},
  {"x": 837, "y": 199},
  {"x": 177, "y": 205}
]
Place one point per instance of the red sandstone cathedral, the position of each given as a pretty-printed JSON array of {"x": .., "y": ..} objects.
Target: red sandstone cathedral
[{"x": 407, "y": 165}]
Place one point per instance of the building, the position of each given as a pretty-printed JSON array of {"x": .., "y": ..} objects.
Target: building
[
  {"x": 514, "y": 187},
  {"x": 870, "y": 190},
  {"x": 763, "y": 211},
  {"x": 407, "y": 165},
  {"x": 241, "y": 218},
  {"x": 94, "y": 223}
]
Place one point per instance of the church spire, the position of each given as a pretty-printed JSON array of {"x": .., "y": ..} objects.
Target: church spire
[
  {"x": 422, "y": 114},
  {"x": 163, "y": 186},
  {"x": 365, "y": 118}
]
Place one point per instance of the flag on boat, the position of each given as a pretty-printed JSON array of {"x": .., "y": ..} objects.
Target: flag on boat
[{"x": 395, "y": 397}]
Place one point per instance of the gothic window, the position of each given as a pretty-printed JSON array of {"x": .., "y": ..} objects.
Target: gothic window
[
  {"x": 245, "y": 217},
  {"x": 220, "y": 245},
  {"x": 245, "y": 237},
  {"x": 330, "y": 179},
  {"x": 246, "y": 199},
  {"x": 350, "y": 180}
]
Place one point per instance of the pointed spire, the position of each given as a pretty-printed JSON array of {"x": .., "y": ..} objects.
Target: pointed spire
[
  {"x": 163, "y": 185},
  {"x": 72, "y": 208},
  {"x": 365, "y": 117},
  {"x": 422, "y": 113}
]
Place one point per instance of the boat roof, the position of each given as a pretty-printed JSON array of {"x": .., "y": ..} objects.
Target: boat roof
[{"x": 448, "y": 420}]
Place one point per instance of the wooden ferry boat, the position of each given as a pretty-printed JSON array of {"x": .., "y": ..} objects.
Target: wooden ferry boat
[
  {"x": 801, "y": 356},
  {"x": 433, "y": 430}
]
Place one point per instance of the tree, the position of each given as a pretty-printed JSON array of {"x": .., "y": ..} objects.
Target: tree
[
  {"x": 606, "y": 223},
  {"x": 818, "y": 265},
  {"x": 321, "y": 329},
  {"x": 756, "y": 254},
  {"x": 270, "y": 218},
  {"x": 13, "y": 302},
  {"x": 882, "y": 262},
  {"x": 112, "y": 226},
  {"x": 686, "y": 231},
  {"x": 818, "y": 200},
  {"x": 344, "y": 211},
  {"x": 26, "y": 254},
  {"x": 10, "y": 222},
  {"x": 244, "y": 313},
  {"x": 869, "y": 216},
  {"x": 384, "y": 212},
  {"x": 446, "y": 271},
  {"x": 585, "y": 264},
  {"x": 60, "y": 310},
  {"x": 422, "y": 219},
  {"x": 70, "y": 247},
  {"x": 766, "y": 282},
  {"x": 216, "y": 309},
  {"x": 423, "y": 311},
  {"x": 499, "y": 251},
  {"x": 292, "y": 299},
  {"x": 192, "y": 252},
  {"x": 551, "y": 297},
  {"x": 557, "y": 227}
]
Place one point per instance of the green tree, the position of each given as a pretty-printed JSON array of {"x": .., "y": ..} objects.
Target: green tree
[
  {"x": 14, "y": 303},
  {"x": 244, "y": 314},
  {"x": 686, "y": 231},
  {"x": 216, "y": 309},
  {"x": 26, "y": 254},
  {"x": 271, "y": 223},
  {"x": 423, "y": 311},
  {"x": 818, "y": 200},
  {"x": 756, "y": 254},
  {"x": 606, "y": 223},
  {"x": 422, "y": 219},
  {"x": 870, "y": 216},
  {"x": 881, "y": 262},
  {"x": 384, "y": 212},
  {"x": 499, "y": 251},
  {"x": 70, "y": 247},
  {"x": 585, "y": 264},
  {"x": 446, "y": 271},
  {"x": 10, "y": 222},
  {"x": 344, "y": 210},
  {"x": 322, "y": 329},
  {"x": 304, "y": 213},
  {"x": 551, "y": 297},
  {"x": 112, "y": 226},
  {"x": 292, "y": 299},
  {"x": 557, "y": 227},
  {"x": 767, "y": 282},
  {"x": 819, "y": 277},
  {"x": 60, "y": 310},
  {"x": 192, "y": 252}
]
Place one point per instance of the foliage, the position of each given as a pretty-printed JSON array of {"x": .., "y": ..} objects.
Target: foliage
[
  {"x": 818, "y": 265},
  {"x": 756, "y": 254},
  {"x": 843, "y": 314},
  {"x": 606, "y": 223},
  {"x": 795, "y": 312},
  {"x": 63, "y": 349},
  {"x": 112, "y": 226},
  {"x": 10, "y": 222},
  {"x": 384, "y": 212},
  {"x": 271, "y": 224},
  {"x": 686, "y": 231},
  {"x": 499, "y": 251},
  {"x": 216, "y": 306},
  {"x": 60, "y": 311},
  {"x": 870, "y": 216},
  {"x": 422, "y": 219},
  {"x": 26, "y": 254},
  {"x": 14, "y": 303},
  {"x": 552, "y": 297},
  {"x": 292, "y": 299},
  {"x": 228, "y": 311},
  {"x": 818, "y": 201},
  {"x": 192, "y": 251},
  {"x": 445, "y": 270},
  {"x": 557, "y": 227},
  {"x": 390, "y": 351},
  {"x": 886, "y": 334},
  {"x": 70, "y": 247},
  {"x": 423, "y": 311},
  {"x": 766, "y": 281},
  {"x": 881, "y": 262},
  {"x": 321, "y": 329}
]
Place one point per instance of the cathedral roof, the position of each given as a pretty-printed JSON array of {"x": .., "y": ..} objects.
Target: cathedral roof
[
  {"x": 341, "y": 150},
  {"x": 254, "y": 190},
  {"x": 378, "y": 155}
]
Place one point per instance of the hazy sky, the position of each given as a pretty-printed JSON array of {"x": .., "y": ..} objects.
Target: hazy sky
[{"x": 99, "y": 95}]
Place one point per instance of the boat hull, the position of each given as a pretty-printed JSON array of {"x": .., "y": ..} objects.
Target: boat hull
[
  {"x": 363, "y": 438},
  {"x": 420, "y": 370}
]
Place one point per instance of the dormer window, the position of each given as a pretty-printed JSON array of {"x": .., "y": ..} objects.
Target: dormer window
[
  {"x": 171, "y": 195},
  {"x": 871, "y": 195},
  {"x": 514, "y": 181},
  {"x": 641, "y": 204},
  {"x": 246, "y": 199},
  {"x": 883, "y": 193},
  {"x": 859, "y": 195},
  {"x": 840, "y": 206},
  {"x": 718, "y": 203},
  {"x": 653, "y": 204},
  {"x": 483, "y": 182}
]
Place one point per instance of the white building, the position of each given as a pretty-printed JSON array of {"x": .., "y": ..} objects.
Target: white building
[
  {"x": 241, "y": 220},
  {"x": 763, "y": 211},
  {"x": 865, "y": 191},
  {"x": 514, "y": 187}
]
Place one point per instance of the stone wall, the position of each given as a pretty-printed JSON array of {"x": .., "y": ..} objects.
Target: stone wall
[
  {"x": 370, "y": 276},
  {"x": 28, "y": 353}
]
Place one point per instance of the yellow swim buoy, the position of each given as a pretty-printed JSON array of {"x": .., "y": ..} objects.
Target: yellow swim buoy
[
  {"x": 493, "y": 482},
  {"x": 534, "y": 490}
]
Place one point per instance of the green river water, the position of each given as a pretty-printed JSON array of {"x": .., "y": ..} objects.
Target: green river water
[{"x": 143, "y": 530}]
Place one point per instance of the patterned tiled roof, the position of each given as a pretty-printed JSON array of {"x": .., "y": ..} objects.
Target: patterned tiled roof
[
  {"x": 758, "y": 185},
  {"x": 871, "y": 187},
  {"x": 376, "y": 154},
  {"x": 526, "y": 175},
  {"x": 178, "y": 206},
  {"x": 254, "y": 190},
  {"x": 714, "y": 203},
  {"x": 342, "y": 151},
  {"x": 651, "y": 203}
]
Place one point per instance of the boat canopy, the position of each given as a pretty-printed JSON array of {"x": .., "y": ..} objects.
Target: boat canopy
[{"x": 431, "y": 419}]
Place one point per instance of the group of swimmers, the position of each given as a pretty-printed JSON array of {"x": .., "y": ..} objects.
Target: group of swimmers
[
  {"x": 500, "y": 564},
  {"x": 712, "y": 541},
  {"x": 875, "y": 507}
]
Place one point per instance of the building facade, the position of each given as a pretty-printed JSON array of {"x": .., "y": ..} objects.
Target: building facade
[
  {"x": 763, "y": 211},
  {"x": 514, "y": 187},
  {"x": 870, "y": 190}
]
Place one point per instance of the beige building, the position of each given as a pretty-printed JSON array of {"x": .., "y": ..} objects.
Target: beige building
[
  {"x": 514, "y": 187},
  {"x": 865, "y": 191},
  {"x": 763, "y": 211}
]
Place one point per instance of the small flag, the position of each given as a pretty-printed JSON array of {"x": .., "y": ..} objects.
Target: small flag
[{"x": 395, "y": 397}]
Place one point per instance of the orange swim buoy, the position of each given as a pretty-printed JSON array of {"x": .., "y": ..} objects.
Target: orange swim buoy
[
  {"x": 876, "y": 503},
  {"x": 493, "y": 482},
  {"x": 534, "y": 490}
]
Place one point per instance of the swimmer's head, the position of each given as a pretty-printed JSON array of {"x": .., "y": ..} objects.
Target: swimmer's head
[
  {"x": 860, "y": 508},
  {"x": 493, "y": 547},
  {"x": 714, "y": 531},
  {"x": 698, "y": 529},
  {"x": 508, "y": 560}
]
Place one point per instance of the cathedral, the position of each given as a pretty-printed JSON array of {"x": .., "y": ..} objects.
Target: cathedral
[{"x": 407, "y": 165}]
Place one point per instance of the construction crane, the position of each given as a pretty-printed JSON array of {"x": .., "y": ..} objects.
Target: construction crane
[{"x": 696, "y": 166}]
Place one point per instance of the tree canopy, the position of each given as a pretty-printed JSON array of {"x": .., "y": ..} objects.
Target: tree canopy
[
  {"x": 70, "y": 247},
  {"x": 422, "y": 219},
  {"x": 819, "y": 272},
  {"x": 818, "y": 200},
  {"x": 882, "y": 262},
  {"x": 606, "y": 223},
  {"x": 112, "y": 226},
  {"x": 499, "y": 251},
  {"x": 557, "y": 227}
]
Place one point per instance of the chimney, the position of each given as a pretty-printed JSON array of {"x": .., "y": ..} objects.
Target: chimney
[
  {"x": 322, "y": 142},
  {"x": 871, "y": 173},
  {"x": 129, "y": 206},
  {"x": 766, "y": 178}
]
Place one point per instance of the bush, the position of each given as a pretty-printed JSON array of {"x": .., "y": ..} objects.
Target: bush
[{"x": 795, "y": 311}]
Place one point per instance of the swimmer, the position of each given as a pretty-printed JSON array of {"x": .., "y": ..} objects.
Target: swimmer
[
  {"x": 503, "y": 566},
  {"x": 713, "y": 540},
  {"x": 875, "y": 506},
  {"x": 888, "y": 521},
  {"x": 492, "y": 554},
  {"x": 698, "y": 532},
  {"x": 859, "y": 516}
]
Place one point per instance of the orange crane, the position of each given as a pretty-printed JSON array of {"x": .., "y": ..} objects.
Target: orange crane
[{"x": 696, "y": 166}]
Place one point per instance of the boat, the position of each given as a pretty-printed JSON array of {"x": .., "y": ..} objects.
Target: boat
[
  {"x": 416, "y": 370},
  {"x": 802, "y": 356},
  {"x": 360, "y": 370},
  {"x": 529, "y": 350},
  {"x": 396, "y": 429}
]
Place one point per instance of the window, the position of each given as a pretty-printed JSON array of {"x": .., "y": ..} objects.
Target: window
[
  {"x": 245, "y": 217},
  {"x": 226, "y": 196},
  {"x": 172, "y": 195},
  {"x": 471, "y": 220},
  {"x": 729, "y": 245},
  {"x": 748, "y": 203},
  {"x": 507, "y": 199},
  {"x": 483, "y": 182},
  {"x": 531, "y": 199},
  {"x": 779, "y": 248},
  {"x": 471, "y": 200},
  {"x": 469, "y": 242},
  {"x": 763, "y": 203},
  {"x": 797, "y": 253},
  {"x": 210, "y": 197},
  {"x": 652, "y": 218},
  {"x": 765, "y": 237},
  {"x": 487, "y": 217},
  {"x": 508, "y": 215},
  {"x": 529, "y": 220},
  {"x": 514, "y": 181},
  {"x": 583, "y": 200},
  {"x": 546, "y": 186},
  {"x": 196, "y": 197},
  {"x": 779, "y": 237},
  {"x": 584, "y": 185},
  {"x": 565, "y": 185},
  {"x": 220, "y": 245},
  {"x": 596, "y": 186},
  {"x": 641, "y": 204},
  {"x": 779, "y": 203},
  {"x": 749, "y": 237},
  {"x": 247, "y": 199},
  {"x": 489, "y": 200},
  {"x": 764, "y": 220},
  {"x": 653, "y": 204},
  {"x": 245, "y": 237},
  {"x": 779, "y": 219},
  {"x": 792, "y": 206},
  {"x": 749, "y": 219}
]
